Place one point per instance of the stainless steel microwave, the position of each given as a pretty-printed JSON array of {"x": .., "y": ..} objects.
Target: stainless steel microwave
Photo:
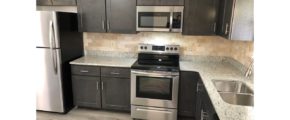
[{"x": 159, "y": 18}]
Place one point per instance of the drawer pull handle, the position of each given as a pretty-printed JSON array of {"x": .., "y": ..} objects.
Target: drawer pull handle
[
  {"x": 84, "y": 71},
  {"x": 115, "y": 73}
]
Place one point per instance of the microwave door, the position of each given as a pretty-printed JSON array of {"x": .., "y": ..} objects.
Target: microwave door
[{"x": 153, "y": 21}]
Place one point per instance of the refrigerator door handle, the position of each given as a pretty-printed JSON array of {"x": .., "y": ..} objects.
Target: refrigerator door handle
[{"x": 52, "y": 42}]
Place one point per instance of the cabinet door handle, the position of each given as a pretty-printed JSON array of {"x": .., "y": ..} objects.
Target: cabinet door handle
[
  {"x": 102, "y": 86},
  {"x": 103, "y": 24},
  {"x": 201, "y": 115},
  {"x": 97, "y": 86},
  {"x": 108, "y": 25},
  {"x": 115, "y": 73},
  {"x": 227, "y": 29},
  {"x": 214, "y": 27},
  {"x": 84, "y": 71},
  {"x": 198, "y": 87},
  {"x": 204, "y": 115}
]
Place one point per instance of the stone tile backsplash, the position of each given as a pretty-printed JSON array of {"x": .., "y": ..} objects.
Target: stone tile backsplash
[{"x": 190, "y": 45}]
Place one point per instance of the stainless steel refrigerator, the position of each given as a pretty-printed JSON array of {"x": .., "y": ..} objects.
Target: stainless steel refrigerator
[{"x": 59, "y": 42}]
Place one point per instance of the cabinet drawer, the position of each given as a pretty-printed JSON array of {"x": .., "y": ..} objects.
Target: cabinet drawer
[
  {"x": 85, "y": 70},
  {"x": 115, "y": 72}
]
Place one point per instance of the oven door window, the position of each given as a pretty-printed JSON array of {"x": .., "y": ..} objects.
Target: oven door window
[
  {"x": 154, "y": 87},
  {"x": 154, "y": 19}
]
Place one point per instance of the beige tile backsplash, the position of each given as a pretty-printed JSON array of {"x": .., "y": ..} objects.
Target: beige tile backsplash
[{"x": 190, "y": 45}]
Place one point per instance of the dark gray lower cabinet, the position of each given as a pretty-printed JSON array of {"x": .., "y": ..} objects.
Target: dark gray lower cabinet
[
  {"x": 187, "y": 93},
  {"x": 86, "y": 91},
  {"x": 193, "y": 100},
  {"x": 101, "y": 87},
  {"x": 204, "y": 109},
  {"x": 116, "y": 93}
]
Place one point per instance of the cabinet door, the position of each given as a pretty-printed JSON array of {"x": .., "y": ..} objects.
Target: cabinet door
[
  {"x": 199, "y": 97},
  {"x": 187, "y": 93},
  {"x": 159, "y": 2},
  {"x": 225, "y": 17},
  {"x": 92, "y": 15},
  {"x": 116, "y": 93},
  {"x": 200, "y": 17},
  {"x": 64, "y": 2},
  {"x": 86, "y": 91},
  {"x": 43, "y": 2},
  {"x": 207, "y": 111},
  {"x": 121, "y": 16}
]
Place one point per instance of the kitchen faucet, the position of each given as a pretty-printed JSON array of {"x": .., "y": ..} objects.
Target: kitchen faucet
[{"x": 250, "y": 68}]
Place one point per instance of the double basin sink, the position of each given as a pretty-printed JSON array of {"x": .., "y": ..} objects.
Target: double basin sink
[{"x": 235, "y": 92}]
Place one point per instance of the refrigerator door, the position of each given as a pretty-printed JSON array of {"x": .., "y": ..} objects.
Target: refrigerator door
[
  {"x": 48, "y": 30},
  {"x": 49, "y": 84}
]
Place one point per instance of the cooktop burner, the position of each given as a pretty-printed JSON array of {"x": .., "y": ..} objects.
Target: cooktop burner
[
  {"x": 157, "y": 58},
  {"x": 155, "y": 67}
]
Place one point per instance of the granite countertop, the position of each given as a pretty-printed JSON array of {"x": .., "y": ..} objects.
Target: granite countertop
[
  {"x": 223, "y": 70},
  {"x": 104, "y": 61}
]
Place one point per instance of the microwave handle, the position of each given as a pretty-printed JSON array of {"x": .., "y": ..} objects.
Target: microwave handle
[{"x": 171, "y": 19}]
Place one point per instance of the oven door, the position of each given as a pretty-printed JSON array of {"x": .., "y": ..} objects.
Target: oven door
[{"x": 154, "y": 88}]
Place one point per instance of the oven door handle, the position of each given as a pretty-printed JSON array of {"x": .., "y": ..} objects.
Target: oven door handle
[{"x": 153, "y": 74}]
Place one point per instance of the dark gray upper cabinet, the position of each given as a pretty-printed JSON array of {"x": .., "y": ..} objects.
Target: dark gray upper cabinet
[
  {"x": 56, "y": 2},
  {"x": 200, "y": 17},
  {"x": 159, "y": 2},
  {"x": 116, "y": 16},
  {"x": 86, "y": 91},
  {"x": 236, "y": 20},
  {"x": 64, "y": 2},
  {"x": 43, "y": 2},
  {"x": 116, "y": 93},
  {"x": 92, "y": 15},
  {"x": 187, "y": 93},
  {"x": 121, "y": 16}
]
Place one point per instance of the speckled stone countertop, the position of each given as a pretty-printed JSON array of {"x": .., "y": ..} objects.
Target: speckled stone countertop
[
  {"x": 223, "y": 70},
  {"x": 104, "y": 61}
]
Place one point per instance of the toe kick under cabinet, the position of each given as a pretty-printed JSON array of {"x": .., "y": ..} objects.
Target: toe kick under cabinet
[{"x": 101, "y": 87}]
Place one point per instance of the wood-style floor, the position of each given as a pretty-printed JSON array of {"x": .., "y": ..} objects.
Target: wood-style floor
[
  {"x": 87, "y": 114},
  {"x": 83, "y": 114}
]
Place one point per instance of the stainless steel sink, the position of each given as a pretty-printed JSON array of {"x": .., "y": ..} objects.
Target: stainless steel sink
[{"x": 235, "y": 92}]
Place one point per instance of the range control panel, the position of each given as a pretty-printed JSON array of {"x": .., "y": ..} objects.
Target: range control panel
[{"x": 150, "y": 48}]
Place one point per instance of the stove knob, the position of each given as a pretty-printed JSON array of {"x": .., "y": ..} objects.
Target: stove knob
[
  {"x": 167, "y": 48},
  {"x": 171, "y": 48},
  {"x": 175, "y": 48},
  {"x": 145, "y": 48},
  {"x": 141, "y": 47}
]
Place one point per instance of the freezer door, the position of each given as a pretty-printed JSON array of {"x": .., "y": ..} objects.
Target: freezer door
[
  {"x": 48, "y": 30},
  {"x": 49, "y": 83}
]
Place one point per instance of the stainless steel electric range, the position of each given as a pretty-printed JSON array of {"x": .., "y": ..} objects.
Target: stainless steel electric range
[{"x": 154, "y": 82}]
